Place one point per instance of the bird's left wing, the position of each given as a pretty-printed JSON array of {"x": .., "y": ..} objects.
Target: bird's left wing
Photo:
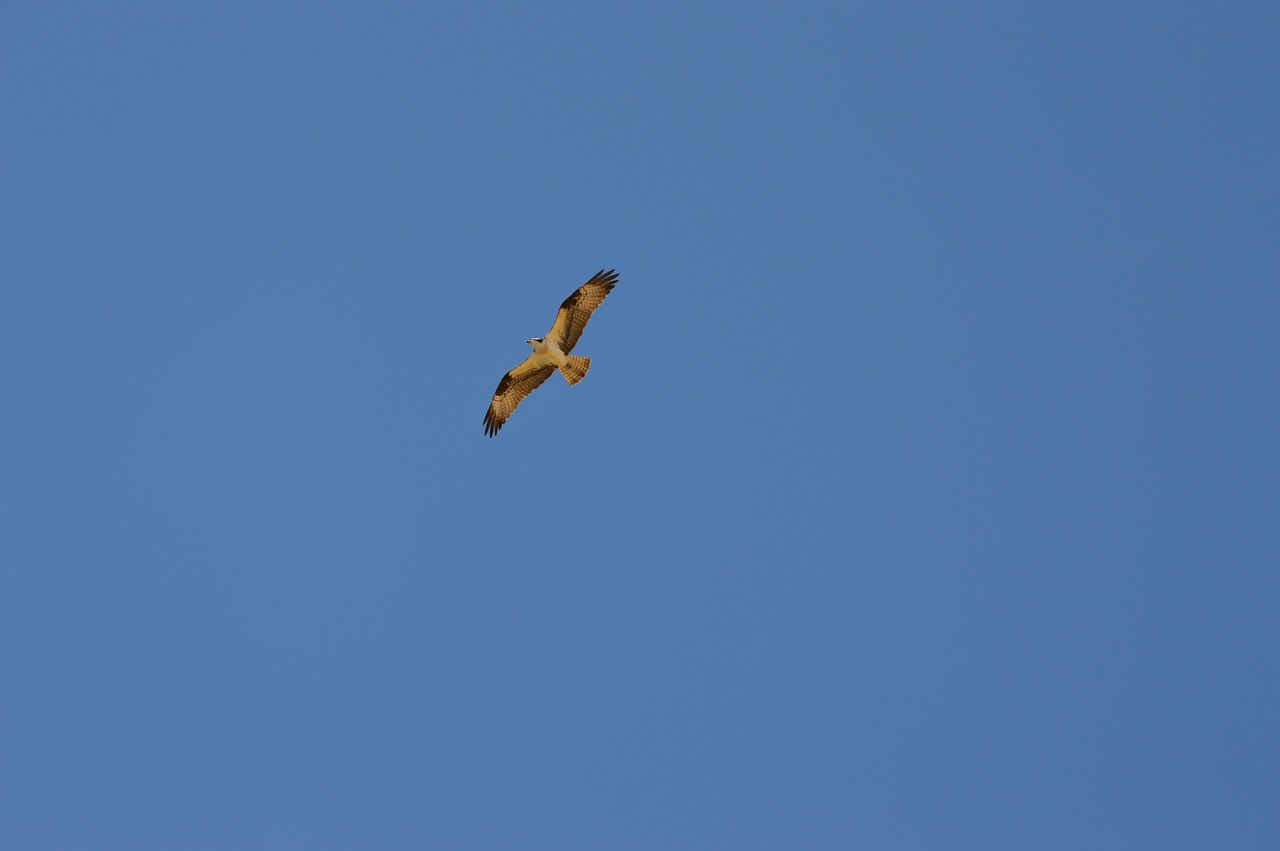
[
  {"x": 512, "y": 389},
  {"x": 578, "y": 307}
]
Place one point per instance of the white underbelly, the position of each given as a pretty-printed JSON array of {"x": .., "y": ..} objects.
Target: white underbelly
[
  {"x": 551, "y": 355},
  {"x": 557, "y": 359}
]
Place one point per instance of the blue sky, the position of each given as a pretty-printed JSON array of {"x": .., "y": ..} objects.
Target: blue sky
[{"x": 923, "y": 492}]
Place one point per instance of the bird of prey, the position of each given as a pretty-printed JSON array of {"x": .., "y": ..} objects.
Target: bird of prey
[{"x": 551, "y": 352}]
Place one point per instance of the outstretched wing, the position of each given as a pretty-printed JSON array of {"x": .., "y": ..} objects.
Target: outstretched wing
[
  {"x": 512, "y": 389},
  {"x": 577, "y": 309}
]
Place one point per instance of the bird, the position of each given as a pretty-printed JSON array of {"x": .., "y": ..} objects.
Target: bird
[{"x": 551, "y": 352}]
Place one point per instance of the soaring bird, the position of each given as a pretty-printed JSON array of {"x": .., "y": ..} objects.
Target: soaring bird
[{"x": 551, "y": 352}]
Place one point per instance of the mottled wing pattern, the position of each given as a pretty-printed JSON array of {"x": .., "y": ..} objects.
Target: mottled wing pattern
[
  {"x": 577, "y": 309},
  {"x": 512, "y": 389}
]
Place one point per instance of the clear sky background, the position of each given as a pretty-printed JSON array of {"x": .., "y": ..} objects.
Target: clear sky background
[{"x": 923, "y": 493}]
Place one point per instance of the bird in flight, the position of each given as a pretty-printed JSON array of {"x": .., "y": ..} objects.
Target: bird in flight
[{"x": 551, "y": 352}]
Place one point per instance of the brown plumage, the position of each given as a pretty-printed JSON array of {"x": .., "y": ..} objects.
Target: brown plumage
[
  {"x": 551, "y": 352},
  {"x": 578, "y": 307},
  {"x": 512, "y": 389}
]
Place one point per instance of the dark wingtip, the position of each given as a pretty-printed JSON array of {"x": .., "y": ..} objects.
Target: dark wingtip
[{"x": 609, "y": 279}]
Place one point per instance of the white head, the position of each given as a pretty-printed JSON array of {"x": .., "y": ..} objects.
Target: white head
[{"x": 536, "y": 342}]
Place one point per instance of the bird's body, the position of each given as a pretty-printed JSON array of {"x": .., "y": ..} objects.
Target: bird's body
[
  {"x": 551, "y": 352},
  {"x": 547, "y": 352}
]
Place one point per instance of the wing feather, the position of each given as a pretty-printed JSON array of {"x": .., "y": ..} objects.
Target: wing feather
[
  {"x": 578, "y": 307},
  {"x": 512, "y": 389}
]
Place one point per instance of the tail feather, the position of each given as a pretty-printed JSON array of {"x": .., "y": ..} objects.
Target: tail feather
[{"x": 576, "y": 369}]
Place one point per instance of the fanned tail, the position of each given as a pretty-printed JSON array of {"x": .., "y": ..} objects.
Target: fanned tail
[{"x": 576, "y": 369}]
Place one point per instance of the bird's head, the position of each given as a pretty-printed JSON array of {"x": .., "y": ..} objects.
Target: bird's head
[{"x": 534, "y": 341}]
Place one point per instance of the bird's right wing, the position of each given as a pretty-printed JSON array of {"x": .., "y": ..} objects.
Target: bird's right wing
[
  {"x": 512, "y": 389},
  {"x": 575, "y": 310}
]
